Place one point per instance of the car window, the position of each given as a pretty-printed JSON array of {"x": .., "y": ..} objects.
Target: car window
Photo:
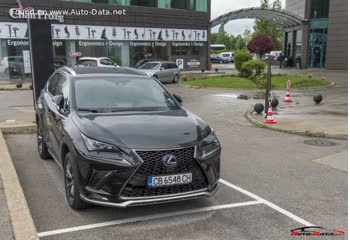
[
  {"x": 106, "y": 62},
  {"x": 164, "y": 65},
  {"x": 173, "y": 65},
  {"x": 226, "y": 55},
  {"x": 150, "y": 65},
  {"x": 87, "y": 63},
  {"x": 121, "y": 94},
  {"x": 53, "y": 84}
]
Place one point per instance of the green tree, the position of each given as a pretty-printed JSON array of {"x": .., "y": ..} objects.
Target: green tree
[
  {"x": 247, "y": 36},
  {"x": 272, "y": 29},
  {"x": 239, "y": 42}
]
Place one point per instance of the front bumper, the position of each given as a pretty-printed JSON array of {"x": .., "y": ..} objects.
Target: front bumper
[
  {"x": 155, "y": 200},
  {"x": 108, "y": 184}
]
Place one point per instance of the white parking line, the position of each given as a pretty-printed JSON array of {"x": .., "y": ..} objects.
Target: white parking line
[
  {"x": 145, "y": 218},
  {"x": 270, "y": 204}
]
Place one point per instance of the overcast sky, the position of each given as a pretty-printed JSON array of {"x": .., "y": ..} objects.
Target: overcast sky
[{"x": 219, "y": 7}]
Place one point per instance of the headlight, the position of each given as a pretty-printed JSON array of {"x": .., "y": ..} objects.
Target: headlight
[
  {"x": 94, "y": 145},
  {"x": 208, "y": 145}
]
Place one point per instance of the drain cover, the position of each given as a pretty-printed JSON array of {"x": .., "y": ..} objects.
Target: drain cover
[{"x": 319, "y": 142}]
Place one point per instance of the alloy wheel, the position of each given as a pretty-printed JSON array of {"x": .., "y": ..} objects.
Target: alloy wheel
[{"x": 69, "y": 179}]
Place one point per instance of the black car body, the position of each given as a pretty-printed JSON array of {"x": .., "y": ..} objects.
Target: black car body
[{"x": 111, "y": 156}]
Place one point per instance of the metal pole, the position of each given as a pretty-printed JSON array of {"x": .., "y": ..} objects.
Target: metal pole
[{"x": 268, "y": 88}]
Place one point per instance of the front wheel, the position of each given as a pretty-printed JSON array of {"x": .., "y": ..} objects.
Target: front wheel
[
  {"x": 42, "y": 148},
  {"x": 176, "y": 78},
  {"x": 71, "y": 184}
]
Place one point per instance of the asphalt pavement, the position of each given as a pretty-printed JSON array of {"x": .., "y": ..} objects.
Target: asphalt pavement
[{"x": 271, "y": 185}]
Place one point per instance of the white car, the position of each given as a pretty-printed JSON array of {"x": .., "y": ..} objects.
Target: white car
[
  {"x": 96, "y": 62},
  {"x": 227, "y": 56}
]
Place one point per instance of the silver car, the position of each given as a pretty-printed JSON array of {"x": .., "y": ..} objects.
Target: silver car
[{"x": 165, "y": 72}]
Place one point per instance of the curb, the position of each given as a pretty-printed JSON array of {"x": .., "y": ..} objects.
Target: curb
[
  {"x": 18, "y": 128},
  {"x": 21, "y": 219},
  {"x": 249, "y": 117}
]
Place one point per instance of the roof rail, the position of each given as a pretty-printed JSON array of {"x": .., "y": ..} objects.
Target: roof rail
[{"x": 68, "y": 69}]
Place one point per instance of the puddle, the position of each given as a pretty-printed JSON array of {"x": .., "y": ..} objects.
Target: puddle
[{"x": 242, "y": 96}]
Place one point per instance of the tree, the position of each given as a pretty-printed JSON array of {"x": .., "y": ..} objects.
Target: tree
[
  {"x": 272, "y": 29},
  {"x": 247, "y": 35},
  {"x": 239, "y": 42},
  {"x": 261, "y": 44}
]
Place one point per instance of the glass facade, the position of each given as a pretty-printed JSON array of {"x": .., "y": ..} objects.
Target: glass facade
[
  {"x": 319, "y": 9},
  {"x": 197, "y": 5}
]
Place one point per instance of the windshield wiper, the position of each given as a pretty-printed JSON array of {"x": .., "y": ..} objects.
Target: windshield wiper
[{"x": 87, "y": 110}]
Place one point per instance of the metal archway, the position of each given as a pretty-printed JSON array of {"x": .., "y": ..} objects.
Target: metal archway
[{"x": 284, "y": 18}]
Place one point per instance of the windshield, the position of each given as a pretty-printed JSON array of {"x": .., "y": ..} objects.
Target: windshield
[
  {"x": 115, "y": 94},
  {"x": 150, "y": 65}
]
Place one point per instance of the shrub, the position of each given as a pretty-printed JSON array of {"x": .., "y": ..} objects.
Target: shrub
[
  {"x": 257, "y": 66},
  {"x": 240, "y": 58},
  {"x": 115, "y": 59}
]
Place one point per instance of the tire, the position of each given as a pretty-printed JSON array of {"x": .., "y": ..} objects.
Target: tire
[
  {"x": 71, "y": 184},
  {"x": 176, "y": 78},
  {"x": 42, "y": 148}
]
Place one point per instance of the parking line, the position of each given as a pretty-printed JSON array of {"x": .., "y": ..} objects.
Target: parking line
[
  {"x": 270, "y": 204},
  {"x": 145, "y": 218}
]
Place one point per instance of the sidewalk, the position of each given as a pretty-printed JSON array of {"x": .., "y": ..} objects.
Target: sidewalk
[
  {"x": 330, "y": 118},
  {"x": 5, "y": 225}
]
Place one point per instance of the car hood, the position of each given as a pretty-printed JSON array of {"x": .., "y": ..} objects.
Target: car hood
[{"x": 160, "y": 130}]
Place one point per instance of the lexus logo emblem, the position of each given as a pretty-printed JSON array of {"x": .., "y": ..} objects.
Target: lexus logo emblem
[{"x": 169, "y": 160}]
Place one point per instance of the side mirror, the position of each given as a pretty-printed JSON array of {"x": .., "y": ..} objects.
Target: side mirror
[
  {"x": 58, "y": 101},
  {"x": 162, "y": 68},
  {"x": 178, "y": 98}
]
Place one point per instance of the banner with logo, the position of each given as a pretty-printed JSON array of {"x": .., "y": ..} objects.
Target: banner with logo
[{"x": 10, "y": 30}]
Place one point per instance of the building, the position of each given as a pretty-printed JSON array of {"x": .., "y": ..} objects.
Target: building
[
  {"x": 322, "y": 42},
  {"x": 128, "y": 30}
]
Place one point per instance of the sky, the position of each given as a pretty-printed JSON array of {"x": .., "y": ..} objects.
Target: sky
[{"x": 219, "y": 7}]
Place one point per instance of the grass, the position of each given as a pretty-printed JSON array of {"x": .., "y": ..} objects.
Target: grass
[
  {"x": 223, "y": 82},
  {"x": 279, "y": 81}
]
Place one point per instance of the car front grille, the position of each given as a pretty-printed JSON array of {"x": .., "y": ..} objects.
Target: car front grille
[{"x": 154, "y": 166}]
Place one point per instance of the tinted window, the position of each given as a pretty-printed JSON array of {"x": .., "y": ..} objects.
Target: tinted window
[
  {"x": 150, "y": 65},
  {"x": 146, "y": 3},
  {"x": 87, "y": 63},
  {"x": 164, "y": 65},
  {"x": 172, "y": 65},
  {"x": 113, "y": 94},
  {"x": 53, "y": 84},
  {"x": 106, "y": 62}
]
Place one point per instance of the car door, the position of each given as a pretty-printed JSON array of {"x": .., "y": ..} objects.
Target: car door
[
  {"x": 59, "y": 116},
  {"x": 163, "y": 74},
  {"x": 49, "y": 108}
]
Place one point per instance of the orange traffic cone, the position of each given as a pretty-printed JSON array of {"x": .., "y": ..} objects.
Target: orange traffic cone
[
  {"x": 270, "y": 119},
  {"x": 288, "y": 98}
]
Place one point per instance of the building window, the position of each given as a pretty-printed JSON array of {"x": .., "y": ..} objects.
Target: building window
[
  {"x": 183, "y": 4},
  {"x": 299, "y": 44},
  {"x": 145, "y": 3},
  {"x": 319, "y": 8},
  {"x": 202, "y": 5}
]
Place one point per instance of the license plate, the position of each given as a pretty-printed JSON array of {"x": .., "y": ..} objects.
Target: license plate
[{"x": 169, "y": 180}]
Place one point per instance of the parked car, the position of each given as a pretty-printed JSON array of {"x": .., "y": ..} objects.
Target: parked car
[
  {"x": 163, "y": 71},
  {"x": 146, "y": 60},
  {"x": 227, "y": 56},
  {"x": 124, "y": 140},
  {"x": 215, "y": 58},
  {"x": 96, "y": 62}
]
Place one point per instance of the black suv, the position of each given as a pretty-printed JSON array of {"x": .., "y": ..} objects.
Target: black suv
[{"x": 122, "y": 139}]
